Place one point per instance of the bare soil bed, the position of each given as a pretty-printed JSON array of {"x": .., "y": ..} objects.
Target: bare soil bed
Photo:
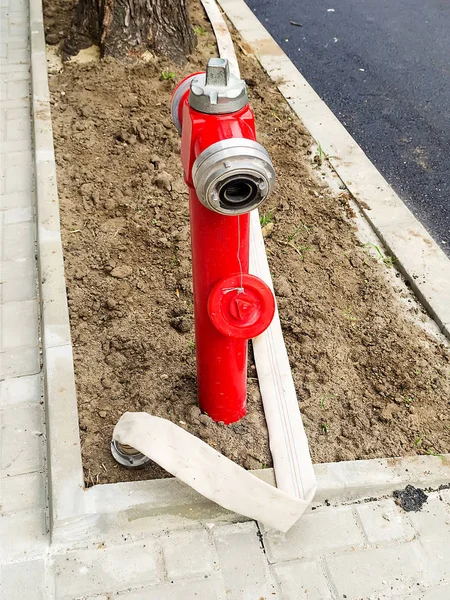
[{"x": 370, "y": 383}]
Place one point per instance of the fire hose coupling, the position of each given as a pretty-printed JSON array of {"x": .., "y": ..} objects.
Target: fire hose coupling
[
  {"x": 128, "y": 457},
  {"x": 233, "y": 176}
]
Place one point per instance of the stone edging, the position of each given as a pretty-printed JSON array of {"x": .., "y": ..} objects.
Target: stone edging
[
  {"x": 64, "y": 452},
  {"x": 77, "y": 513},
  {"x": 418, "y": 257}
]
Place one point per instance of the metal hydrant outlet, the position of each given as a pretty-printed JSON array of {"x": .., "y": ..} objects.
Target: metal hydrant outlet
[{"x": 228, "y": 174}]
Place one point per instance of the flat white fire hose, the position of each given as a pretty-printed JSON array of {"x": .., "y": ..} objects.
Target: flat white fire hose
[{"x": 200, "y": 466}]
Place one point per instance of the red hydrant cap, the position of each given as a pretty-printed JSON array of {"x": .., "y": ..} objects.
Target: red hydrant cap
[{"x": 241, "y": 306}]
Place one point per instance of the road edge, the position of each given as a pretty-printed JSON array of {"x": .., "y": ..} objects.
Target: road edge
[{"x": 417, "y": 256}]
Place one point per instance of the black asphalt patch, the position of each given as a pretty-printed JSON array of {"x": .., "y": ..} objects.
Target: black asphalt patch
[{"x": 411, "y": 498}]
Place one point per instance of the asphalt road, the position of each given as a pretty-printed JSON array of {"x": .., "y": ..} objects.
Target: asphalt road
[{"x": 383, "y": 67}]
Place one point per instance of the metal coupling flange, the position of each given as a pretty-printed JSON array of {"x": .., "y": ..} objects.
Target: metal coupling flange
[
  {"x": 233, "y": 176},
  {"x": 128, "y": 457}
]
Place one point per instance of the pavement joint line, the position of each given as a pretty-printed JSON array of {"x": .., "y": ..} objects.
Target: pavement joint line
[
  {"x": 418, "y": 257},
  {"x": 78, "y": 515}
]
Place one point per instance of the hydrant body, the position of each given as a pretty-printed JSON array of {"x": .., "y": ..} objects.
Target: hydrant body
[{"x": 228, "y": 173}]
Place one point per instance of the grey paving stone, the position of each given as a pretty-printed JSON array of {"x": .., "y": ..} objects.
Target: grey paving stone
[
  {"x": 17, "y": 129},
  {"x": 19, "y": 5},
  {"x": 384, "y": 522},
  {"x": 18, "y": 31},
  {"x": 22, "y": 114},
  {"x": 17, "y": 159},
  {"x": 433, "y": 521},
  {"x": 17, "y": 53},
  {"x": 388, "y": 571},
  {"x": 19, "y": 241},
  {"x": 17, "y": 290},
  {"x": 18, "y": 215},
  {"x": 23, "y": 581},
  {"x": 317, "y": 532},
  {"x": 17, "y": 89},
  {"x": 22, "y": 492},
  {"x": 24, "y": 536},
  {"x": 445, "y": 495},
  {"x": 14, "y": 269},
  {"x": 19, "y": 362},
  {"x": 22, "y": 440},
  {"x": 15, "y": 72},
  {"x": 206, "y": 589},
  {"x": 441, "y": 592},
  {"x": 302, "y": 580},
  {"x": 20, "y": 390},
  {"x": 21, "y": 145},
  {"x": 19, "y": 178},
  {"x": 243, "y": 563},
  {"x": 188, "y": 554},
  {"x": 16, "y": 200},
  {"x": 436, "y": 557},
  {"x": 113, "y": 569},
  {"x": 19, "y": 324}
]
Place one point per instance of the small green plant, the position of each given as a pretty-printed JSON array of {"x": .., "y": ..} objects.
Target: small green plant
[
  {"x": 432, "y": 452},
  {"x": 297, "y": 230},
  {"x": 297, "y": 247},
  {"x": 276, "y": 116},
  {"x": 293, "y": 235},
  {"x": 300, "y": 250},
  {"x": 191, "y": 344},
  {"x": 266, "y": 218},
  {"x": 387, "y": 260},
  {"x": 325, "y": 428},
  {"x": 166, "y": 75},
  {"x": 320, "y": 155},
  {"x": 200, "y": 30},
  {"x": 418, "y": 440},
  {"x": 349, "y": 315},
  {"x": 322, "y": 402}
]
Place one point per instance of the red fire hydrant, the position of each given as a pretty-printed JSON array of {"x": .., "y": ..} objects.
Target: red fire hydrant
[{"x": 228, "y": 174}]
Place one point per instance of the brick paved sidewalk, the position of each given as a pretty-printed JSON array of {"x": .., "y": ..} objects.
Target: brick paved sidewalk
[
  {"x": 370, "y": 550},
  {"x": 23, "y": 526}
]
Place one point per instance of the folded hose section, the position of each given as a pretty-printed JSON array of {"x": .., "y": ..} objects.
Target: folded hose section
[
  {"x": 207, "y": 471},
  {"x": 200, "y": 466}
]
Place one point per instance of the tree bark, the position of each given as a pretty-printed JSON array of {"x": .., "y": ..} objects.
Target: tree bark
[{"x": 124, "y": 27}]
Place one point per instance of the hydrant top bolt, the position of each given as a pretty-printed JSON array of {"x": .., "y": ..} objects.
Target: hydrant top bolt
[
  {"x": 217, "y": 72},
  {"x": 217, "y": 91}
]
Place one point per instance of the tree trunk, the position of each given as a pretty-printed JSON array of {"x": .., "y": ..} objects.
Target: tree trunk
[{"x": 125, "y": 27}]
